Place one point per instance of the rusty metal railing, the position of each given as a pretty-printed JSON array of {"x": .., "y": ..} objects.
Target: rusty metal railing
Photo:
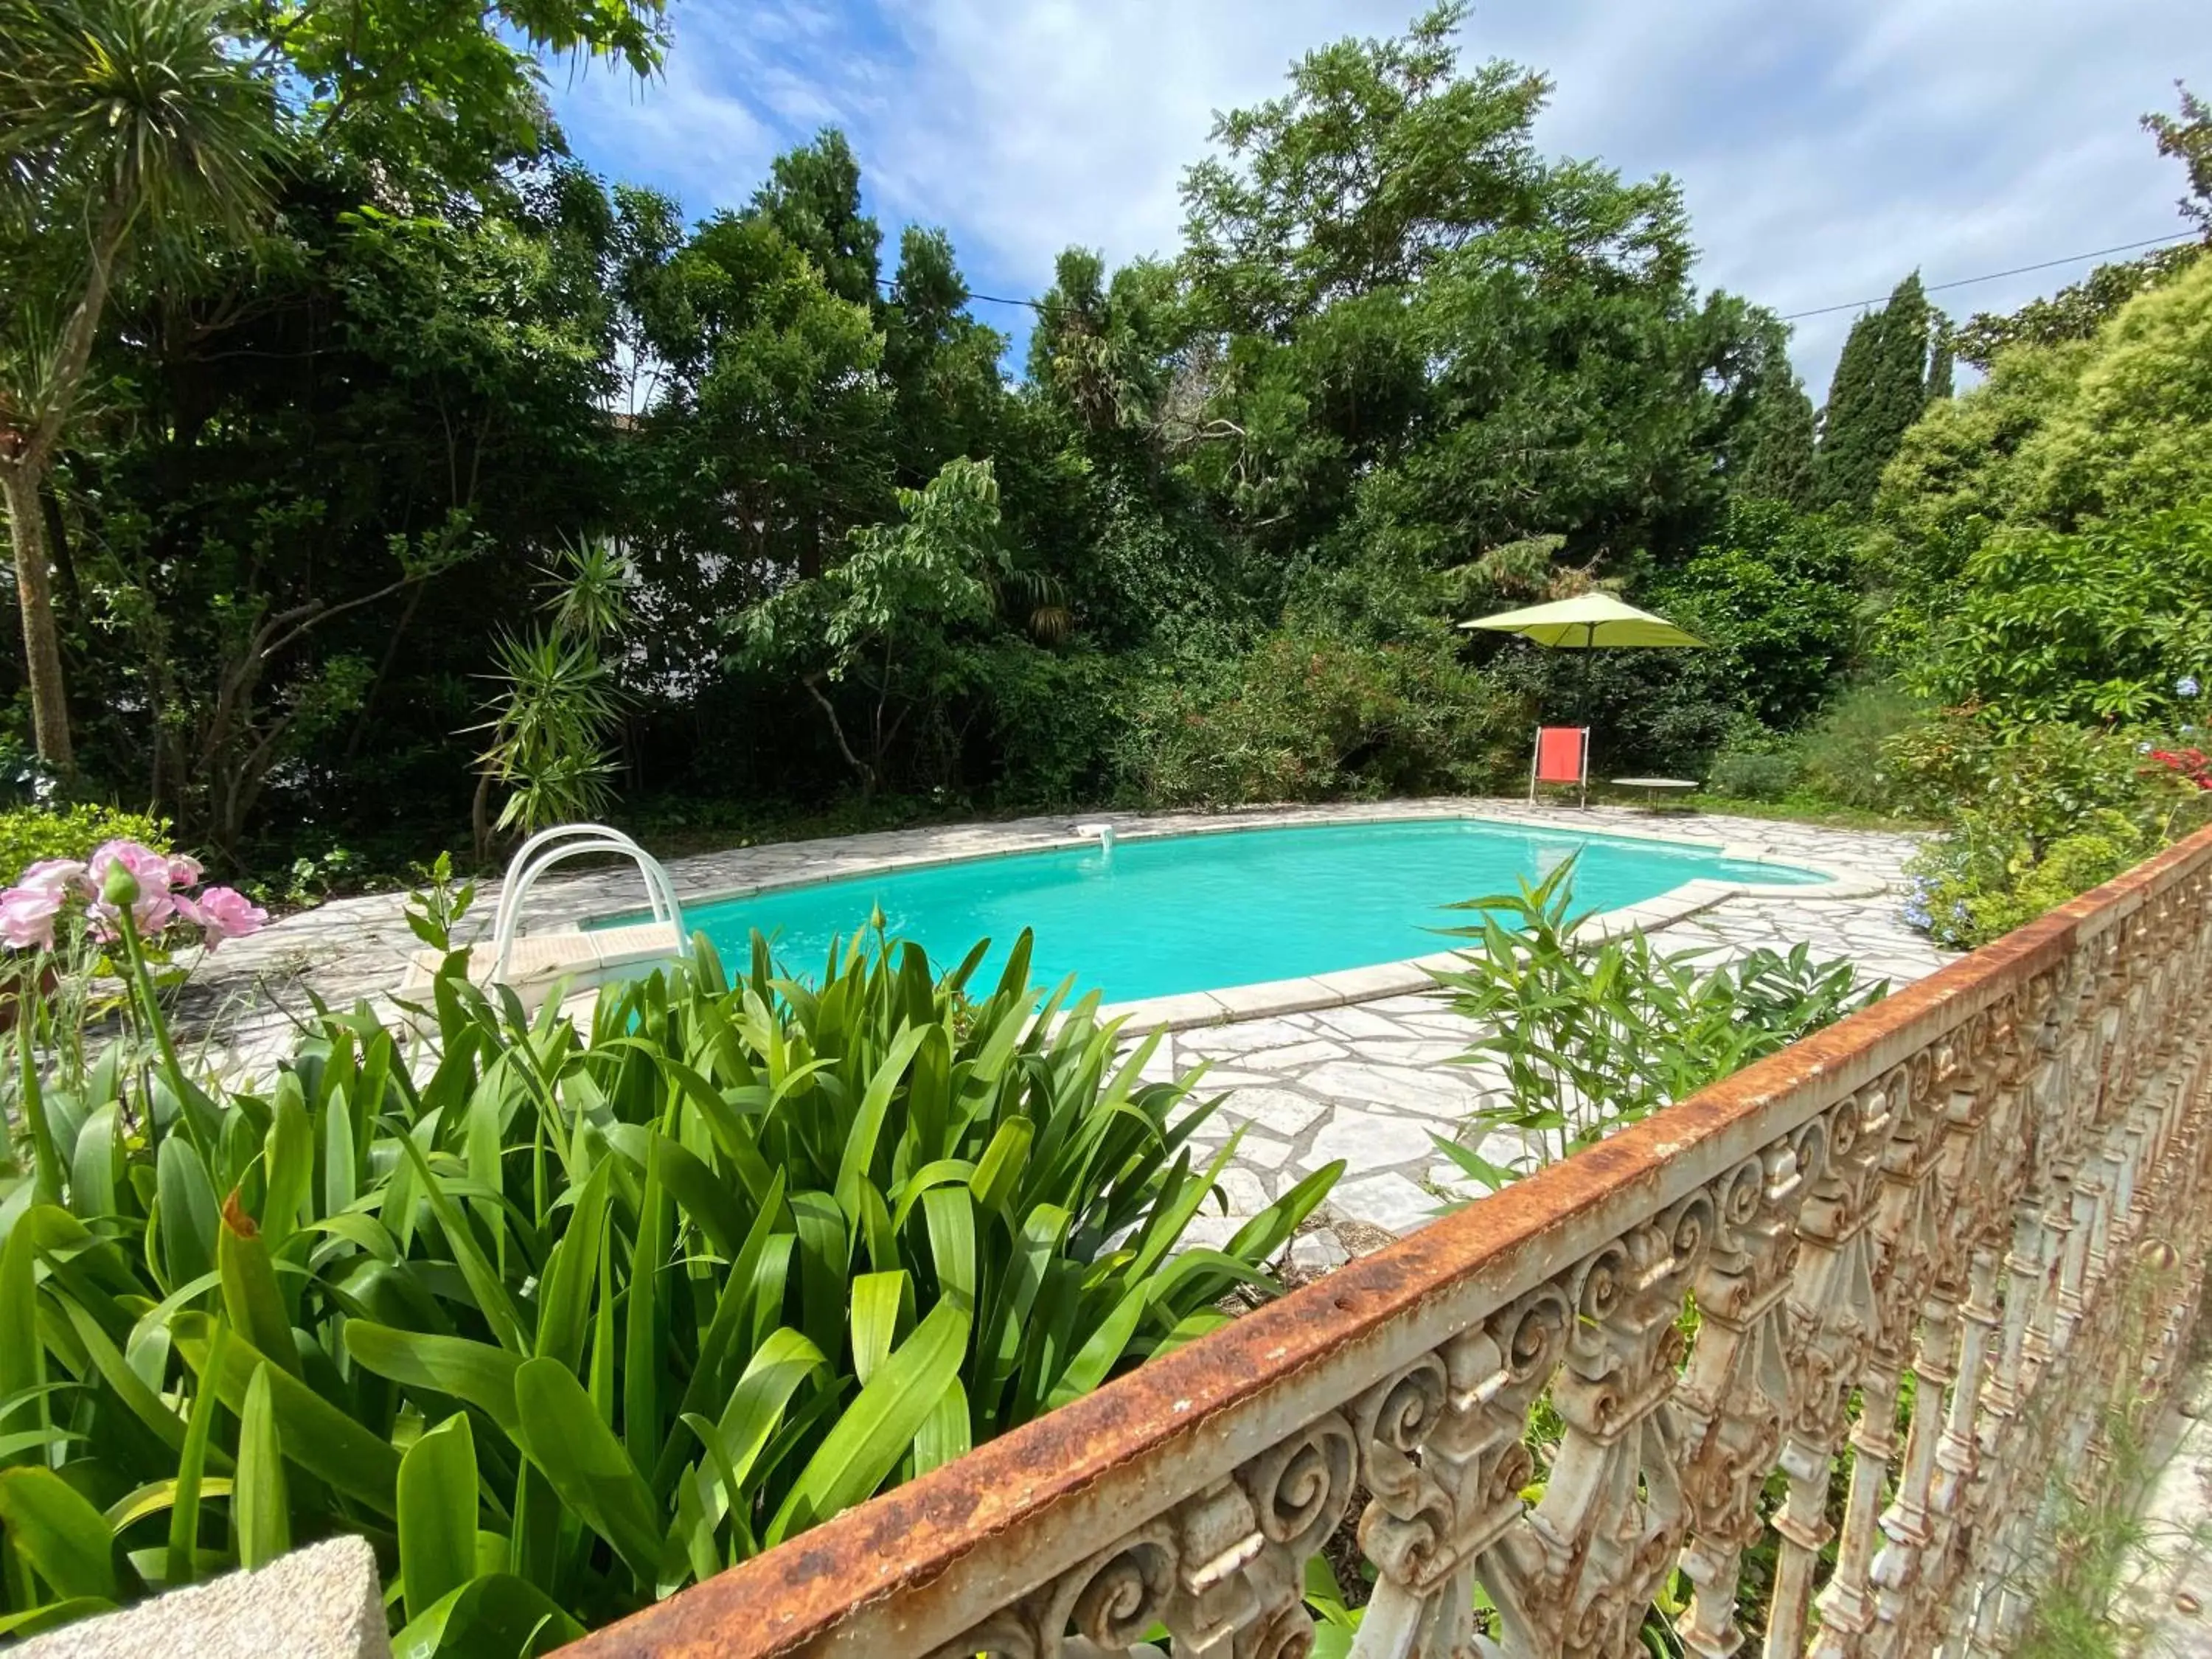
[{"x": 1909, "y": 1242}]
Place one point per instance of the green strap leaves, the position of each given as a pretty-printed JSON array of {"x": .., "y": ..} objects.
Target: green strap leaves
[
  {"x": 437, "y": 1515},
  {"x": 564, "y": 1435},
  {"x": 859, "y": 1454}
]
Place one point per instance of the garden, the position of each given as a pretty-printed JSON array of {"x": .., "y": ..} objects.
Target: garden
[{"x": 383, "y": 486}]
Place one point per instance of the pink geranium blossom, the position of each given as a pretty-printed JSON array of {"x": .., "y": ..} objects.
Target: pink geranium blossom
[
  {"x": 156, "y": 905},
  {"x": 26, "y": 916},
  {"x": 225, "y": 912},
  {"x": 56, "y": 876},
  {"x": 162, "y": 884}
]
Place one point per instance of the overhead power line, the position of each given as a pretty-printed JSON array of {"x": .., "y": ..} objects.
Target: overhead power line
[
  {"x": 987, "y": 299},
  {"x": 1992, "y": 276},
  {"x": 1817, "y": 311}
]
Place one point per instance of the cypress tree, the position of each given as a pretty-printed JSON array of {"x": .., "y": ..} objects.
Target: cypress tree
[
  {"x": 1881, "y": 386},
  {"x": 1777, "y": 460}
]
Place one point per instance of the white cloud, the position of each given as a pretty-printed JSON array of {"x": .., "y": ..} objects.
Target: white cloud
[{"x": 1824, "y": 149}]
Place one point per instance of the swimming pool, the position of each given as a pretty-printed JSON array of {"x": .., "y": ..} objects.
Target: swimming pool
[{"x": 1159, "y": 915}]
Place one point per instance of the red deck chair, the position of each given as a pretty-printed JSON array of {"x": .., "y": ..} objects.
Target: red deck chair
[{"x": 1562, "y": 757}]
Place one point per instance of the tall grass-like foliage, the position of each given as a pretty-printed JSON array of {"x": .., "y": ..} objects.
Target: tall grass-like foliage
[
  {"x": 1594, "y": 1036},
  {"x": 563, "y": 1316}
]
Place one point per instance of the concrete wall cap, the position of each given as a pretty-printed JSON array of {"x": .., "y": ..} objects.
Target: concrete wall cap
[{"x": 321, "y": 1603}]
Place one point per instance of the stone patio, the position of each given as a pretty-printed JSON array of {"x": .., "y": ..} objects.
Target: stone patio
[{"x": 1368, "y": 1082}]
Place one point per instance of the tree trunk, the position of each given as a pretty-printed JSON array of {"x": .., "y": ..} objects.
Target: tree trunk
[
  {"x": 868, "y": 774},
  {"x": 57, "y": 544},
  {"x": 25, "y": 457},
  {"x": 42, "y": 647}
]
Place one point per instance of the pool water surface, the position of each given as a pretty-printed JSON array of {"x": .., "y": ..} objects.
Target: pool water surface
[{"x": 1159, "y": 915}]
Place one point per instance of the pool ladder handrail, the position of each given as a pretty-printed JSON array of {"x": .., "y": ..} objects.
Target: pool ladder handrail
[{"x": 557, "y": 845}]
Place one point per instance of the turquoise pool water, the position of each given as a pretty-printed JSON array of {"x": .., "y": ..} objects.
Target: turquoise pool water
[{"x": 1193, "y": 913}]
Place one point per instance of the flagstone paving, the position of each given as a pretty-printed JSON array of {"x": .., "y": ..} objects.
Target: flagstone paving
[{"x": 1369, "y": 1084}]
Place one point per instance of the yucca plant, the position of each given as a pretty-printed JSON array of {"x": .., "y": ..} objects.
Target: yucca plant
[
  {"x": 554, "y": 721},
  {"x": 561, "y": 1317}
]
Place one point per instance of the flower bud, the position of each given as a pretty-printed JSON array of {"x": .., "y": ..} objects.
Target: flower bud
[{"x": 119, "y": 887}]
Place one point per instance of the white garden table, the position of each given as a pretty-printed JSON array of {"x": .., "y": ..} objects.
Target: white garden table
[{"x": 1655, "y": 789}]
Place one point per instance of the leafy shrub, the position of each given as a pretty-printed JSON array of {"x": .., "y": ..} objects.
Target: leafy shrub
[
  {"x": 2108, "y": 624},
  {"x": 575, "y": 1315},
  {"x": 28, "y": 834},
  {"x": 2041, "y": 782},
  {"x": 1977, "y": 883},
  {"x": 1841, "y": 757},
  {"x": 1748, "y": 774},
  {"x": 1056, "y": 718},
  {"x": 2038, "y": 814},
  {"x": 1309, "y": 714},
  {"x": 1594, "y": 1036},
  {"x": 1775, "y": 597}
]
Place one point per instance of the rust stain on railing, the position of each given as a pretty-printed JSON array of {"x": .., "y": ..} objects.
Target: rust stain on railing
[{"x": 933, "y": 1560}]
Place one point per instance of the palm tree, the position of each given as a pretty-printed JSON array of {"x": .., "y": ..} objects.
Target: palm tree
[{"x": 120, "y": 121}]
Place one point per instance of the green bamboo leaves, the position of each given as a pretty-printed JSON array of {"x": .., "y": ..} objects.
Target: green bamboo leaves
[
  {"x": 572, "y": 1316},
  {"x": 1594, "y": 1035}
]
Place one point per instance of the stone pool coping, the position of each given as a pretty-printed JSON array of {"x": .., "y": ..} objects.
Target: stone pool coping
[{"x": 1189, "y": 1010}]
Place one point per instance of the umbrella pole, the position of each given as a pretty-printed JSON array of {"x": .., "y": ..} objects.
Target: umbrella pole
[{"x": 1589, "y": 644}]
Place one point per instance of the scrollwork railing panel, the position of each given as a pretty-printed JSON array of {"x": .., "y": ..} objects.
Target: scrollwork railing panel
[{"x": 1819, "y": 1340}]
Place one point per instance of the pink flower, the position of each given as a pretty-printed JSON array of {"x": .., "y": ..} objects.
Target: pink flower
[
  {"x": 185, "y": 869},
  {"x": 155, "y": 904},
  {"x": 55, "y": 876},
  {"x": 225, "y": 912},
  {"x": 26, "y": 916}
]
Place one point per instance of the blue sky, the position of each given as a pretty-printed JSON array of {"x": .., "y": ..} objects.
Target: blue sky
[{"x": 1825, "y": 147}]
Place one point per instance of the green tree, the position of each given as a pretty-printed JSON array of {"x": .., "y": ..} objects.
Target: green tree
[
  {"x": 1416, "y": 336},
  {"x": 315, "y": 487},
  {"x": 2187, "y": 139},
  {"x": 1776, "y": 596},
  {"x": 431, "y": 99},
  {"x": 1383, "y": 157},
  {"x": 2129, "y": 438},
  {"x": 1882, "y": 387},
  {"x": 880, "y": 620},
  {"x": 2063, "y": 472},
  {"x": 943, "y": 365},
  {"x": 1777, "y": 442},
  {"x": 1100, "y": 348},
  {"x": 813, "y": 197},
  {"x": 772, "y": 438},
  {"x": 122, "y": 123}
]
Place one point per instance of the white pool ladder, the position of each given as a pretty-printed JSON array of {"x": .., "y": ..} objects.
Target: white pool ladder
[{"x": 556, "y": 845}]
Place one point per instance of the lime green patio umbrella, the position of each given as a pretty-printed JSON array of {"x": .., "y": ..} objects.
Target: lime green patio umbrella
[{"x": 1589, "y": 622}]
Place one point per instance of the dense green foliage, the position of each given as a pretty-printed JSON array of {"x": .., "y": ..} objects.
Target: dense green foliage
[
  {"x": 573, "y": 1316},
  {"x": 2042, "y": 811},
  {"x": 2100, "y": 624},
  {"x": 1893, "y": 363},
  {"x": 1405, "y": 367},
  {"x": 1591, "y": 1036},
  {"x": 384, "y": 355},
  {"x": 28, "y": 834}
]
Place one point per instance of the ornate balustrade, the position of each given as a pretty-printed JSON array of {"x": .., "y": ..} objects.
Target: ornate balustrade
[{"x": 1928, "y": 1251}]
